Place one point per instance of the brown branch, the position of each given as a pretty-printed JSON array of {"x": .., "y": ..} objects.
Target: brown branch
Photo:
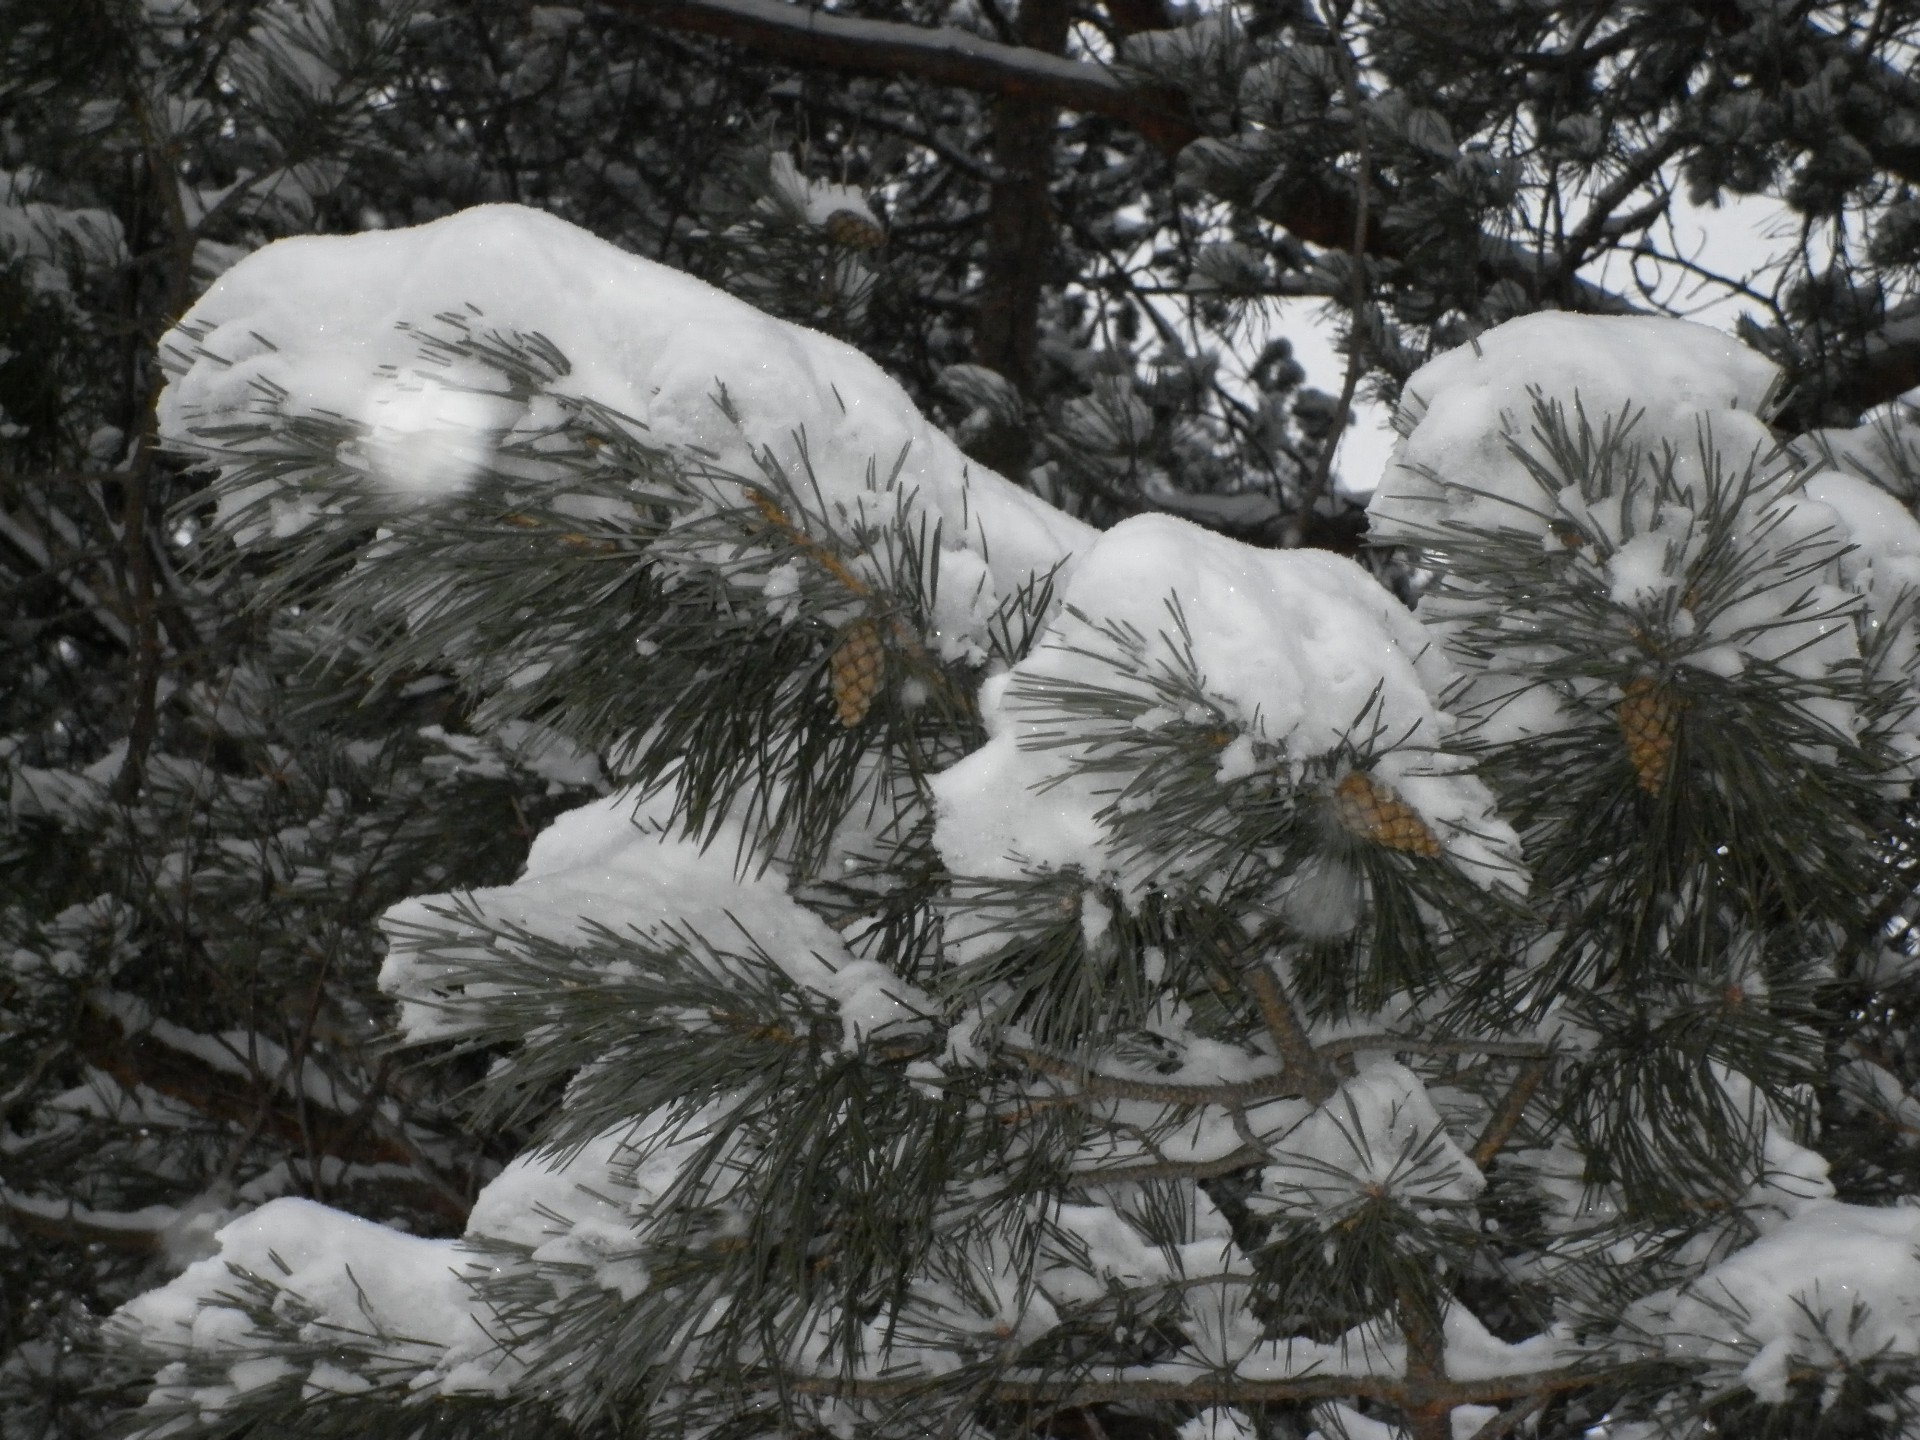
[
  {"x": 1234, "y": 1390},
  {"x": 1504, "y": 1121},
  {"x": 142, "y": 1059},
  {"x": 1428, "y": 1410},
  {"x": 1303, "y": 1062},
  {"x": 1414, "y": 1045},
  {"x": 78, "y": 1225},
  {"x": 1240, "y": 1159},
  {"x": 943, "y": 56}
]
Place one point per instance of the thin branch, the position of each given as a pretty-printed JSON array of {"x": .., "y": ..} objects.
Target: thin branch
[
  {"x": 1414, "y": 1045},
  {"x": 1095, "y": 1085},
  {"x": 1228, "y": 1389},
  {"x": 1504, "y": 1121},
  {"x": 1227, "y": 1164}
]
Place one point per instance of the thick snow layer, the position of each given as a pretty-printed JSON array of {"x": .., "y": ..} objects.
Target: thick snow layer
[
  {"x": 1299, "y": 653},
  {"x": 340, "y": 1276},
  {"x": 588, "y": 1209},
  {"x": 332, "y": 322},
  {"x": 611, "y": 865},
  {"x": 1651, "y": 531},
  {"x": 1837, "y": 1284},
  {"x": 1456, "y": 464}
]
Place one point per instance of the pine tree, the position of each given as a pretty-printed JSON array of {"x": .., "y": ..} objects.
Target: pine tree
[
  {"x": 1030, "y": 980},
  {"x": 207, "y": 807}
]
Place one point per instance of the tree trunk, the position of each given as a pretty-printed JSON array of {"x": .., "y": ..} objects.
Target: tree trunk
[{"x": 1020, "y": 221}]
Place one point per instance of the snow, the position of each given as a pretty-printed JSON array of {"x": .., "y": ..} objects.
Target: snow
[
  {"x": 1835, "y": 1285},
  {"x": 335, "y": 324},
  {"x": 340, "y": 1275},
  {"x": 1681, "y": 405},
  {"x": 1297, "y": 668},
  {"x": 1456, "y": 464},
  {"x": 1378, "y": 1137},
  {"x": 817, "y": 201},
  {"x": 616, "y": 866},
  {"x": 1301, "y": 655}
]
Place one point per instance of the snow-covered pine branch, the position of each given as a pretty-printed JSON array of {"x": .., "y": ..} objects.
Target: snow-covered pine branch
[{"x": 1021, "y": 970}]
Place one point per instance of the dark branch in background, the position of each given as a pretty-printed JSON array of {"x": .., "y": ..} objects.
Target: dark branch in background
[
  {"x": 1319, "y": 210},
  {"x": 139, "y": 1059},
  {"x": 1357, "y": 301},
  {"x": 942, "y": 56},
  {"x": 1020, "y": 218}
]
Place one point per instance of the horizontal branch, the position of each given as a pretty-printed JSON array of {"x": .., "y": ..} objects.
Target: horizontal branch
[
  {"x": 1226, "y": 1164},
  {"x": 1414, "y": 1045},
  {"x": 943, "y": 56},
  {"x": 135, "y": 1058},
  {"x": 68, "y": 1223},
  {"x": 1235, "y": 1390},
  {"x": 1096, "y": 1085}
]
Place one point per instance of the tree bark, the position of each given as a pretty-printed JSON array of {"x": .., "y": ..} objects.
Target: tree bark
[{"x": 1020, "y": 219}]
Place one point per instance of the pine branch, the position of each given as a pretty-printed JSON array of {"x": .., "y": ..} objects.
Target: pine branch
[
  {"x": 136, "y": 1060},
  {"x": 1305, "y": 1064}
]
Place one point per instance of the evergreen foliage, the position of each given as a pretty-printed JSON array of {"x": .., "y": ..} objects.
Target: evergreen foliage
[
  {"x": 1180, "y": 991},
  {"x": 224, "y": 765}
]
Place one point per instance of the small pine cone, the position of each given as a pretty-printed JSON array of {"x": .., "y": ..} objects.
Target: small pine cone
[
  {"x": 1372, "y": 811},
  {"x": 1649, "y": 719},
  {"x": 854, "y": 230},
  {"x": 857, "y": 666}
]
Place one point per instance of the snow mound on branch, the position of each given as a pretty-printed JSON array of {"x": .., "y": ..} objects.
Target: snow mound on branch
[
  {"x": 1300, "y": 651},
  {"x": 333, "y": 324},
  {"x": 331, "y": 1274},
  {"x": 1455, "y": 463},
  {"x": 1665, "y": 507},
  {"x": 1379, "y": 1135},
  {"x": 615, "y": 865},
  {"x": 1836, "y": 1285}
]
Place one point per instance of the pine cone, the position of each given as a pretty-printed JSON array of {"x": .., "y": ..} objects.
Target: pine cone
[
  {"x": 857, "y": 666},
  {"x": 1373, "y": 812},
  {"x": 1649, "y": 718},
  {"x": 854, "y": 230}
]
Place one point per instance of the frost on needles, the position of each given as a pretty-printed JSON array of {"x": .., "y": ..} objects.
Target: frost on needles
[{"x": 1020, "y": 977}]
